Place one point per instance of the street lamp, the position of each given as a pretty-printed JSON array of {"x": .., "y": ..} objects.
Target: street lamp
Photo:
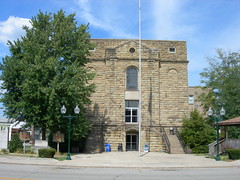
[
  {"x": 63, "y": 111},
  {"x": 210, "y": 114}
]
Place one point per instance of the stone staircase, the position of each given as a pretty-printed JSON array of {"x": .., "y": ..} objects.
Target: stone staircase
[{"x": 175, "y": 145}]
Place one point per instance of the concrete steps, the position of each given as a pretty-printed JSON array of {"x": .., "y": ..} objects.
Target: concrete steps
[{"x": 176, "y": 147}]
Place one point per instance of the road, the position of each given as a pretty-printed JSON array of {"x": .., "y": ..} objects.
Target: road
[{"x": 30, "y": 172}]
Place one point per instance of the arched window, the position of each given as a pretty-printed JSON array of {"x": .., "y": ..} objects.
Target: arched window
[{"x": 132, "y": 78}]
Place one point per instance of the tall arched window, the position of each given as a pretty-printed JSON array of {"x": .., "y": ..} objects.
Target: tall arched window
[{"x": 132, "y": 78}]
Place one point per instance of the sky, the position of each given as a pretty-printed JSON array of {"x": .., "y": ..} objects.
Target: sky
[{"x": 205, "y": 25}]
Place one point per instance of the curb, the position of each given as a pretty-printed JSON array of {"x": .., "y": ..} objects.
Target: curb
[{"x": 118, "y": 167}]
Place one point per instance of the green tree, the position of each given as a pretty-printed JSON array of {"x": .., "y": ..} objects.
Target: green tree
[
  {"x": 15, "y": 144},
  {"x": 197, "y": 133},
  {"x": 45, "y": 70},
  {"x": 222, "y": 79}
]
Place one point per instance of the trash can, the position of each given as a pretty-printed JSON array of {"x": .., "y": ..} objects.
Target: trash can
[
  {"x": 146, "y": 149},
  {"x": 120, "y": 148},
  {"x": 108, "y": 147},
  {"x": 171, "y": 131}
]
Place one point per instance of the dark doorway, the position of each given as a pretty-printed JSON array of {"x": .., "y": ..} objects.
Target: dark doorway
[{"x": 131, "y": 142}]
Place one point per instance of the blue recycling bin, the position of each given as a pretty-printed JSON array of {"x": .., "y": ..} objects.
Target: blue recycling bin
[
  {"x": 108, "y": 147},
  {"x": 146, "y": 148}
]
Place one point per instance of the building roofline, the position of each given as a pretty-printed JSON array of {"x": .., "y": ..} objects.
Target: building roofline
[{"x": 136, "y": 40}]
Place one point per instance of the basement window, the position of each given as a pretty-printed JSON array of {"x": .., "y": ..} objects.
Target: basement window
[{"x": 92, "y": 49}]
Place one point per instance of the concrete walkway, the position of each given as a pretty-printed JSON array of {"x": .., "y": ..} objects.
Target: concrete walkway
[{"x": 156, "y": 160}]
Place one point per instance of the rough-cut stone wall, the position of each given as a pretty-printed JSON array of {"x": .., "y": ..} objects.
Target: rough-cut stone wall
[
  {"x": 164, "y": 91},
  {"x": 196, "y": 91}
]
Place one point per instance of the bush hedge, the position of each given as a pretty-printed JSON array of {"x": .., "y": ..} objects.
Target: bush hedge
[
  {"x": 46, "y": 153},
  {"x": 200, "y": 149},
  {"x": 233, "y": 153}
]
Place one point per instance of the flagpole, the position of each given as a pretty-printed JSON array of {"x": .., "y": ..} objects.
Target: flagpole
[{"x": 140, "y": 78}]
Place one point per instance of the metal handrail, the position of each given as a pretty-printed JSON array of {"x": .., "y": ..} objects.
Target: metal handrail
[
  {"x": 166, "y": 140},
  {"x": 181, "y": 141}
]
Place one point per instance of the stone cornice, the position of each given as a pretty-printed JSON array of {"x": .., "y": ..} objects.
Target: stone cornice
[{"x": 123, "y": 59}]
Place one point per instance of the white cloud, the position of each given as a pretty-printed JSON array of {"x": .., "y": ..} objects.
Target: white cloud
[
  {"x": 170, "y": 19},
  {"x": 106, "y": 21},
  {"x": 11, "y": 29}
]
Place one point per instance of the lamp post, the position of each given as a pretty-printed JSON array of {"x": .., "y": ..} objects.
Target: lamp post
[
  {"x": 210, "y": 114},
  {"x": 63, "y": 111}
]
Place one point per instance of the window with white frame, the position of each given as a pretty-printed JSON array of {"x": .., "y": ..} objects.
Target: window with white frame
[
  {"x": 92, "y": 49},
  {"x": 191, "y": 99},
  {"x": 172, "y": 50},
  {"x": 131, "y": 111},
  {"x": 132, "y": 78}
]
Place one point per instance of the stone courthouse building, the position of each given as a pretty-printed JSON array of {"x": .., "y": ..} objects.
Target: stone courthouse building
[{"x": 115, "y": 104}]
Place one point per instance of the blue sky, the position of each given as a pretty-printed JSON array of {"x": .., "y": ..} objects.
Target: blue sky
[{"x": 205, "y": 24}]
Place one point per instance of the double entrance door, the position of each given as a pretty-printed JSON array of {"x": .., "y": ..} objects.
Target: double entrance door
[{"x": 131, "y": 142}]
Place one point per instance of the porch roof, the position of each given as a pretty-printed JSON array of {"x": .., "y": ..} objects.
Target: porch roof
[{"x": 231, "y": 122}]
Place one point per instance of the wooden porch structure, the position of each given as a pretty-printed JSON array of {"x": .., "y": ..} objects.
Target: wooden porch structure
[
  {"x": 230, "y": 122},
  {"x": 226, "y": 143}
]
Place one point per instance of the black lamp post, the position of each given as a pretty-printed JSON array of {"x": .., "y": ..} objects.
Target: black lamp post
[
  {"x": 210, "y": 114},
  {"x": 63, "y": 111}
]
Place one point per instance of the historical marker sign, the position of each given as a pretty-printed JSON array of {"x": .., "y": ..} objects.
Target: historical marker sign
[{"x": 58, "y": 137}]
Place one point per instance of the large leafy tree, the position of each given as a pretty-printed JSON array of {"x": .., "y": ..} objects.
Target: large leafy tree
[
  {"x": 222, "y": 78},
  {"x": 45, "y": 70},
  {"x": 222, "y": 81}
]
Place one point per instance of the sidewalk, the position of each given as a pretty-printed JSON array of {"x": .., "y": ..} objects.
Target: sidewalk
[{"x": 156, "y": 160}]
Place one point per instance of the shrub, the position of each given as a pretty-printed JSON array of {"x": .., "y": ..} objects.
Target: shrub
[
  {"x": 233, "y": 153},
  {"x": 46, "y": 153},
  {"x": 200, "y": 149},
  {"x": 15, "y": 144},
  {"x": 196, "y": 132},
  {"x": 4, "y": 151},
  {"x": 224, "y": 148}
]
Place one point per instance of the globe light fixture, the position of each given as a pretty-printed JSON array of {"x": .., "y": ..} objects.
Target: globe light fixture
[
  {"x": 69, "y": 117},
  {"x": 210, "y": 114}
]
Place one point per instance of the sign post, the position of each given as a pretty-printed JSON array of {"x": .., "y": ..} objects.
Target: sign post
[
  {"x": 58, "y": 138},
  {"x": 24, "y": 136}
]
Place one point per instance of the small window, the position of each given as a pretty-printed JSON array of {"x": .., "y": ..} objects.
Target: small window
[
  {"x": 191, "y": 99},
  {"x": 92, "y": 49},
  {"x": 131, "y": 50},
  {"x": 172, "y": 50},
  {"x": 132, "y": 78}
]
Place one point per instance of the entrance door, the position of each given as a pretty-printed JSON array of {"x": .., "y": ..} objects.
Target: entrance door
[{"x": 131, "y": 142}]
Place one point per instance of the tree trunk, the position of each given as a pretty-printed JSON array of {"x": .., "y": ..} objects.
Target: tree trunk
[
  {"x": 43, "y": 133},
  {"x": 33, "y": 135}
]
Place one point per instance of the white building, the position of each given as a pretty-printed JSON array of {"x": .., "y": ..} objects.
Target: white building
[
  {"x": 4, "y": 133},
  {"x": 6, "y": 128}
]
